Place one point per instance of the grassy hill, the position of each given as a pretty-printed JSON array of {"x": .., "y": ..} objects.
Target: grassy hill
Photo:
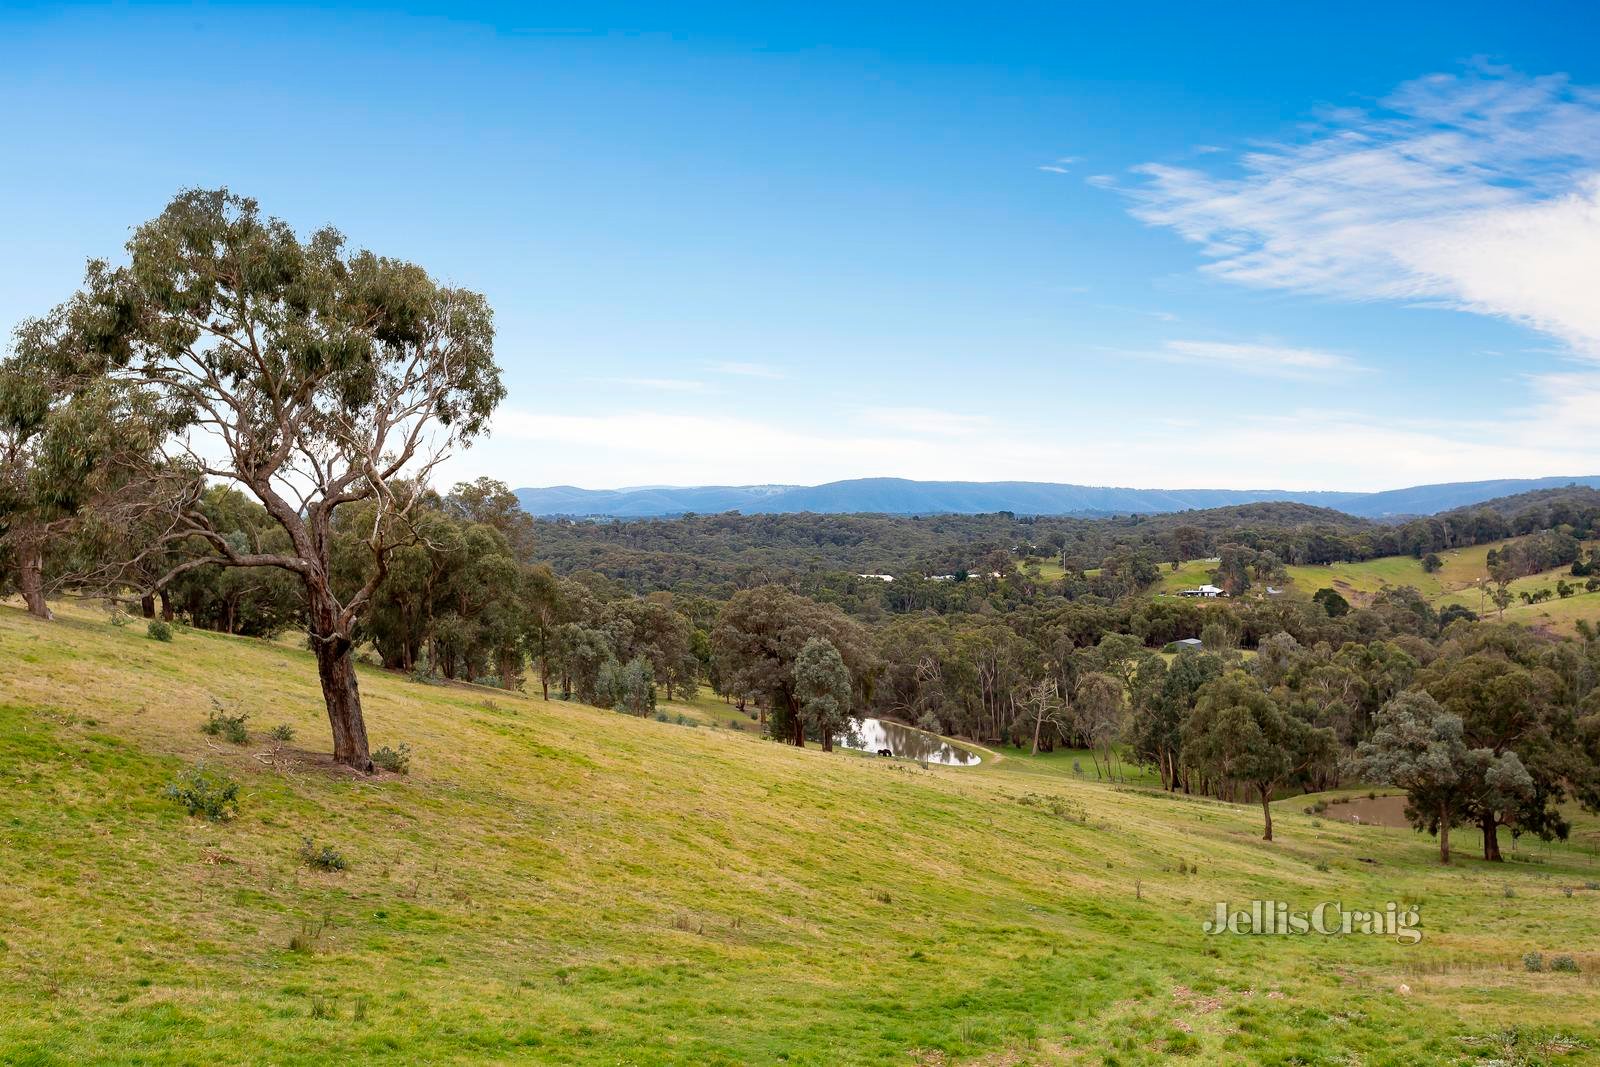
[
  {"x": 558, "y": 884},
  {"x": 1461, "y": 580}
]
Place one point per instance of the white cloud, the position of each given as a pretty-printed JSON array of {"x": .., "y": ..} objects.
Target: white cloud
[
  {"x": 1273, "y": 361},
  {"x": 1314, "y": 448},
  {"x": 929, "y": 421},
  {"x": 1062, "y": 165},
  {"x": 1479, "y": 191}
]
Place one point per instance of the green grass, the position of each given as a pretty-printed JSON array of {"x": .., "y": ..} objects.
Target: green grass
[
  {"x": 1463, "y": 579},
  {"x": 1188, "y": 575},
  {"x": 559, "y": 884}
]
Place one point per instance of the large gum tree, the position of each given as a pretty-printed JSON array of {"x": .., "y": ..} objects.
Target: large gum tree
[{"x": 309, "y": 376}]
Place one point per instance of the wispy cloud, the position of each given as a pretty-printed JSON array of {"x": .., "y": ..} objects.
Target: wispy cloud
[
  {"x": 927, "y": 421},
  {"x": 1062, "y": 165},
  {"x": 1154, "y": 313},
  {"x": 1273, "y": 361},
  {"x": 748, "y": 370},
  {"x": 1479, "y": 191},
  {"x": 1285, "y": 450}
]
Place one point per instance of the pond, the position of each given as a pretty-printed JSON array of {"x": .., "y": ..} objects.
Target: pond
[
  {"x": 907, "y": 742},
  {"x": 1369, "y": 811}
]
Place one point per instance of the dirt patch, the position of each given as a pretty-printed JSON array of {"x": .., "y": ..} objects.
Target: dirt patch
[{"x": 1369, "y": 811}]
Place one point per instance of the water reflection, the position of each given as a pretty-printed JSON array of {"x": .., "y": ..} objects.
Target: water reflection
[{"x": 906, "y": 742}]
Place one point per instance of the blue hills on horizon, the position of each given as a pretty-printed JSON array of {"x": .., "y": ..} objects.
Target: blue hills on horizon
[{"x": 902, "y": 496}]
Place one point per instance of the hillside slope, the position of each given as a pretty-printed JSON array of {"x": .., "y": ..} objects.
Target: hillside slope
[
  {"x": 1461, "y": 579},
  {"x": 559, "y": 884}
]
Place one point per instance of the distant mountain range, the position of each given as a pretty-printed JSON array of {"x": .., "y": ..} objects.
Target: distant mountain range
[{"x": 900, "y": 496}]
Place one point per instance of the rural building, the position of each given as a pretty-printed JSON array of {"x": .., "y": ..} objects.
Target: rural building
[{"x": 1204, "y": 591}]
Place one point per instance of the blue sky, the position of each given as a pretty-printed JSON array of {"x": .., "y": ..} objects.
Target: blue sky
[{"x": 1148, "y": 245}]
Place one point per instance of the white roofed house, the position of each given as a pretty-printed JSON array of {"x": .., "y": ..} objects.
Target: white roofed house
[{"x": 1207, "y": 591}]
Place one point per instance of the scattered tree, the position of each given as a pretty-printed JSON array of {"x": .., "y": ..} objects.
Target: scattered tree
[{"x": 308, "y": 376}]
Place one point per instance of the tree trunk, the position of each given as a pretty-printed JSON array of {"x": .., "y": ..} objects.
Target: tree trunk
[
  {"x": 166, "y": 605},
  {"x": 799, "y": 730},
  {"x": 1444, "y": 835},
  {"x": 147, "y": 604},
  {"x": 30, "y": 563},
  {"x": 1266, "y": 810},
  {"x": 1037, "y": 723},
  {"x": 509, "y": 669},
  {"x": 1491, "y": 838},
  {"x": 336, "y": 668}
]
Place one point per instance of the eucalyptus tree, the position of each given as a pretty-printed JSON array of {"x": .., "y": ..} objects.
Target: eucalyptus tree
[
  {"x": 1099, "y": 713},
  {"x": 1238, "y": 733},
  {"x": 759, "y": 636},
  {"x": 653, "y": 627},
  {"x": 1507, "y": 704},
  {"x": 543, "y": 607},
  {"x": 1159, "y": 718},
  {"x": 307, "y": 375},
  {"x": 1042, "y": 703},
  {"x": 822, "y": 689},
  {"x": 70, "y": 444},
  {"x": 1421, "y": 747}
]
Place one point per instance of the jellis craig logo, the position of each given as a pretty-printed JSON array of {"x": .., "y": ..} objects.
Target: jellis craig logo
[{"x": 1403, "y": 922}]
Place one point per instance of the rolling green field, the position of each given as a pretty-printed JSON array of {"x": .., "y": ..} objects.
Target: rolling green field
[
  {"x": 1463, "y": 579},
  {"x": 554, "y": 883}
]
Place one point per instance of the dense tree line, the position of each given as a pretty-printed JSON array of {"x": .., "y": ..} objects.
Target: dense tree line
[{"x": 933, "y": 558}]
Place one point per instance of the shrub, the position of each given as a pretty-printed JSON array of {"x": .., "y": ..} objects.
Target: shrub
[
  {"x": 219, "y": 723},
  {"x": 1181, "y": 1044},
  {"x": 1057, "y": 806},
  {"x": 158, "y": 630},
  {"x": 1591, "y": 885},
  {"x": 203, "y": 791},
  {"x": 321, "y": 858},
  {"x": 1533, "y": 961},
  {"x": 309, "y": 937},
  {"x": 282, "y": 733},
  {"x": 1322, "y": 866},
  {"x": 119, "y": 618},
  {"x": 1564, "y": 963},
  {"x": 397, "y": 760}
]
